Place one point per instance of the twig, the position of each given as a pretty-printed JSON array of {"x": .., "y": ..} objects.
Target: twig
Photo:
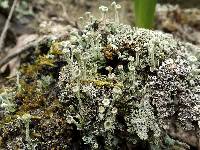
[{"x": 6, "y": 26}]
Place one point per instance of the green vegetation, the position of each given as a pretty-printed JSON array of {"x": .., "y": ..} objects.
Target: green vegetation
[{"x": 144, "y": 13}]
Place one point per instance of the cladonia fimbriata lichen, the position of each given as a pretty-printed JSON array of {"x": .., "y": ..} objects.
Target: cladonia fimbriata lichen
[
  {"x": 120, "y": 79},
  {"x": 7, "y": 104},
  {"x": 110, "y": 84},
  {"x": 124, "y": 79}
]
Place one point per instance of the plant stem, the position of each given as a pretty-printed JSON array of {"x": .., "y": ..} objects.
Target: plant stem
[{"x": 144, "y": 13}]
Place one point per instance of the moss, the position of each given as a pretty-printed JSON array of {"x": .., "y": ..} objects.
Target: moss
[
  {"x": 102, "y": 83},
  {"x": 44, "y": 60},
  {"x": 38, "y": 99},
  {"x": 7, "y": 120},
  {"x": 32, "y": 70},
  {"x": 56, "y": 49},
  {"x": 30, "y": 96},
  {"x": 51, "y": 110}
]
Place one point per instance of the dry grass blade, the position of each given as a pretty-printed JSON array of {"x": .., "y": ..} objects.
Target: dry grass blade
[{"x": 3, "y": 34}]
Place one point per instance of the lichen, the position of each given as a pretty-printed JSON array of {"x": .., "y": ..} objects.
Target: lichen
[
  {"x": 7, "y": 104},
  {"x": 107, "y": 86},
  {"x": 154, "y": 71},
  {"x": 33, "y": 96}
]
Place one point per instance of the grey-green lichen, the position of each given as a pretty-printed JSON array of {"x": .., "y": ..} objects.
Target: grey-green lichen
[
  {"x": 122, "y": 82},
  {"x": 7, "y": 104},
  {"x": 109, "y": 86}
]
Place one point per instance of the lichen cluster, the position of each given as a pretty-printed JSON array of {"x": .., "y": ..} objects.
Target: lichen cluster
[
  {"x": 120, "y": 79},
  {"x": 107, "y": 86}
]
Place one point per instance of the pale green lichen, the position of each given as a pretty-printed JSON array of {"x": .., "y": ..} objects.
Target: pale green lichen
[
  {"x": 152, "y": 69},
  {"x": 117, "y": 85},
  {"x": 7, "y": 104}
]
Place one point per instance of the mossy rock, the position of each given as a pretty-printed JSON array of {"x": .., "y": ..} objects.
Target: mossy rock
[{"x": 108, "y": 86}]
